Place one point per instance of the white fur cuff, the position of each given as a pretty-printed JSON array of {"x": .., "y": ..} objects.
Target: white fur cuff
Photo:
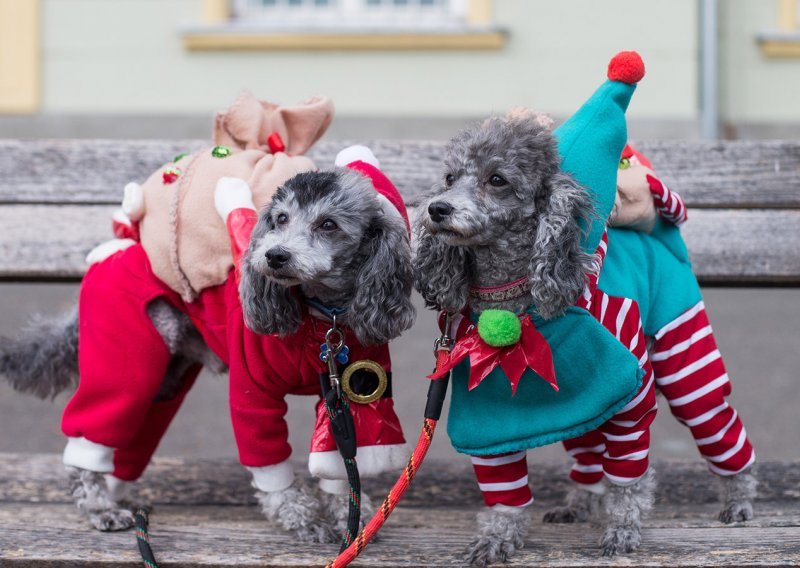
[
  {"x": 232, "y": 193},
  {"x": 107, "y": 249},
  {"x": 84, "y": 454},
  {"x": 372, "y": 460},
  {"x": 356, "y": 153},
  {"x": 334, "y": 486},
  {"x": 598, "y": 488},
  {"x": 509, "y": 509},
  {"x": 272, "y": 477},
  {"x": 118, "y": 488},
  {"x": 133, "y": 201}
]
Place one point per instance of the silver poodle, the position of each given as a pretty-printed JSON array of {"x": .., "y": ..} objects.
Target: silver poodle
[
  {"x": 503, "y": 210},
  {"x": 365, "y": 266}
]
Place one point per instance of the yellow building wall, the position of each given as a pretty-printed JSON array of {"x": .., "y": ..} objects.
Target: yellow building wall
[{"x": 19, "y": 56}]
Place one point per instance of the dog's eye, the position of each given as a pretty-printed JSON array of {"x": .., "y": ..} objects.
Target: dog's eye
[
  {"x": 281, "y": 219},
  {"x": 328, "y": 225},
  {"x": 449, "y": 179},
  {"x": 497, "y": 181}
]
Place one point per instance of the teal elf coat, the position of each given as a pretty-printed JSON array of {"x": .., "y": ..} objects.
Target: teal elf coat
[{"x": 596, "y": 374}]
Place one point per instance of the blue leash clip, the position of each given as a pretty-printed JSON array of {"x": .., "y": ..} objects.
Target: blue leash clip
[{"x": 342, "y": 357}]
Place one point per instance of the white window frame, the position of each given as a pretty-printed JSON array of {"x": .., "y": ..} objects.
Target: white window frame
[{"x": 354, "y": 14}]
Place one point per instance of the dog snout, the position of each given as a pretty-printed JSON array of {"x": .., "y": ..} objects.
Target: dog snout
[
  {"x": 277, "y": 257},
  {"x": 438, "y": 210}
]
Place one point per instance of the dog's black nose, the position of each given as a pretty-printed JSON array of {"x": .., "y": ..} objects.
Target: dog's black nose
[
  {"x": 277, "y": 257},
  {"x": 438, "y": 210}
]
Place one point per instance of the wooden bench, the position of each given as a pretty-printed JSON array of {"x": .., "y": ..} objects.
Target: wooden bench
[{"x": 56, "y": 198}]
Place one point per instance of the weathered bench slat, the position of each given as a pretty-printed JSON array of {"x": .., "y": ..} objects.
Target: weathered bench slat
[
  {"x": 205, "y": 516},
  {"x": 35, "y": 536},
  {"x": 727, "y": 246},
  {"x": 40, "y": 478},
  {"x": 741, "y": 174}
]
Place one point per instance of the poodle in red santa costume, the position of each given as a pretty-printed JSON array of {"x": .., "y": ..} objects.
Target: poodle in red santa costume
[{"x": 329, "y": 243}]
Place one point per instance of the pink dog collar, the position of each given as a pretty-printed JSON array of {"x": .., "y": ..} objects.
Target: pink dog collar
[{"x": 501, "y": 292}]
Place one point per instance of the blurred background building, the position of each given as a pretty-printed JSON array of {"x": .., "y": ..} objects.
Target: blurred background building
[{"x": 394, "y": 68}]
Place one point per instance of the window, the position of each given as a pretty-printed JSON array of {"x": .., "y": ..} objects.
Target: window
[
  {"x": 345, "y": 25},
  {"x": 785, "y": 42},
  {"x": 353, "y": 13}
]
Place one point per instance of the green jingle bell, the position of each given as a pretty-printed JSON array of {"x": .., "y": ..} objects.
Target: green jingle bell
[{"x": 221, "y": 151}]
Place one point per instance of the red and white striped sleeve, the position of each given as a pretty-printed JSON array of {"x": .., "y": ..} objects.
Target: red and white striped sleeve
[{"x": 669, "y": 205}]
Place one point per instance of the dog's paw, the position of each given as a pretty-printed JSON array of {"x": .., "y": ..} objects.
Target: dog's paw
[
  {"x": 298, "y": 511},
  {"x": 561, "y": 515},
  {"x": 736, "y": 512},
  {"x": 112, "y": 519},
  {"x": 501, "y": 533},
  {"x": 620, "y": 540},
  {"x": 489, "y": 549},
  {"x": 738, "y": 493}
]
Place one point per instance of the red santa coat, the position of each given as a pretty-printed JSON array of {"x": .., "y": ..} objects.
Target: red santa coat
[{"x": 123, "y": 361}]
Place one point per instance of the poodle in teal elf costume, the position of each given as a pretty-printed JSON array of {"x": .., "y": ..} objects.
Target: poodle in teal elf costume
[{"x": 521, "y": 380}]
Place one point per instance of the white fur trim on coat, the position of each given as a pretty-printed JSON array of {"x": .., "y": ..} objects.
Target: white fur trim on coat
[
  {"x": 84, "y": 454},
  {"x": 356, "y": 153},
  {"x": 133, "y": 201},
  {"x": 371, "y": 460},
  {"x": 232, "y": 193},
  {"x": 118, "y": 488},
  {"x": 334, "y": 486},
  {"x": 107, "y": 249},
  {"x": 598, "y": 488},
  {"x": 272, "y": 477}
]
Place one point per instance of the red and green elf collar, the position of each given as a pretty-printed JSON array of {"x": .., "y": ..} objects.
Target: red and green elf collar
[{"x": 506, "y": 339}]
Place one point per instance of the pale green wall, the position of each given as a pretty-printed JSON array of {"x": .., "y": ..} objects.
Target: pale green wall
[
  {"x": 125, "y": 56},
  {"x": 755, "y": 88}
]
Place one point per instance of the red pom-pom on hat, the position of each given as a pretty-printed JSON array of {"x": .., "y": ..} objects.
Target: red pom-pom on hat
[{"x": 626, "y": 67}]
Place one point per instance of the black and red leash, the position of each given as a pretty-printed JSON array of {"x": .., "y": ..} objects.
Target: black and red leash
[
  {"x": 142, "y": 519},
  {"x": 342, "y": 426},
  {"x": 433, "y": 411}
]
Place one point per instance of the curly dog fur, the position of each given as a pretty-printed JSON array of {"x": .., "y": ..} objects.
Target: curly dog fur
[{"x": 504, "y": 210}]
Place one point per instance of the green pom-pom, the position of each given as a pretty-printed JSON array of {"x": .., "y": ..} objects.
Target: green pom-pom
[{"x": 499, "y": 328}]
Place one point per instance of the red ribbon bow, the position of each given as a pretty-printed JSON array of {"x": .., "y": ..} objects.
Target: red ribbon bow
[{"x": 531, "y": 352}]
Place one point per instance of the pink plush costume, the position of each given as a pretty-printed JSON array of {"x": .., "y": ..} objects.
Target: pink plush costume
[{"x": 115, "y": 420}]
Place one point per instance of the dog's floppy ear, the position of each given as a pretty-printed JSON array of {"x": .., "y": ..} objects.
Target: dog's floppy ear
[
  {"x": 559, "y": 266},
  {"x": 268, "y": 307},
  {"x": 381, "y": 307},
  {"x": 441, "y": 272}
]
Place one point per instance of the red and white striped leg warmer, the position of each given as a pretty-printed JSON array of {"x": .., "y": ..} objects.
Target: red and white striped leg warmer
[
  {"x": 691, "y": 374},
  {"x": 627, "y": 433},
  {"x": 503, "y": 479},
  {"x": 587, "y": 450},
  {"x": 620, "y": 448}
]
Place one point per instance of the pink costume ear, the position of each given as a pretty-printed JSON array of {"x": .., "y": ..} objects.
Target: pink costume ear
[
  {"x": 248, "y": 123},
  {"x": 305, "y": 123},
  {"x": 240, "y": 126}
]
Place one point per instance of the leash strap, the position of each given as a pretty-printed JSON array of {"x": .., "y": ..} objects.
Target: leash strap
[
  {"x": 142, "y": 520},
  {"x": 342, "y": 426},
  {"x": 433, "y": 410}
]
